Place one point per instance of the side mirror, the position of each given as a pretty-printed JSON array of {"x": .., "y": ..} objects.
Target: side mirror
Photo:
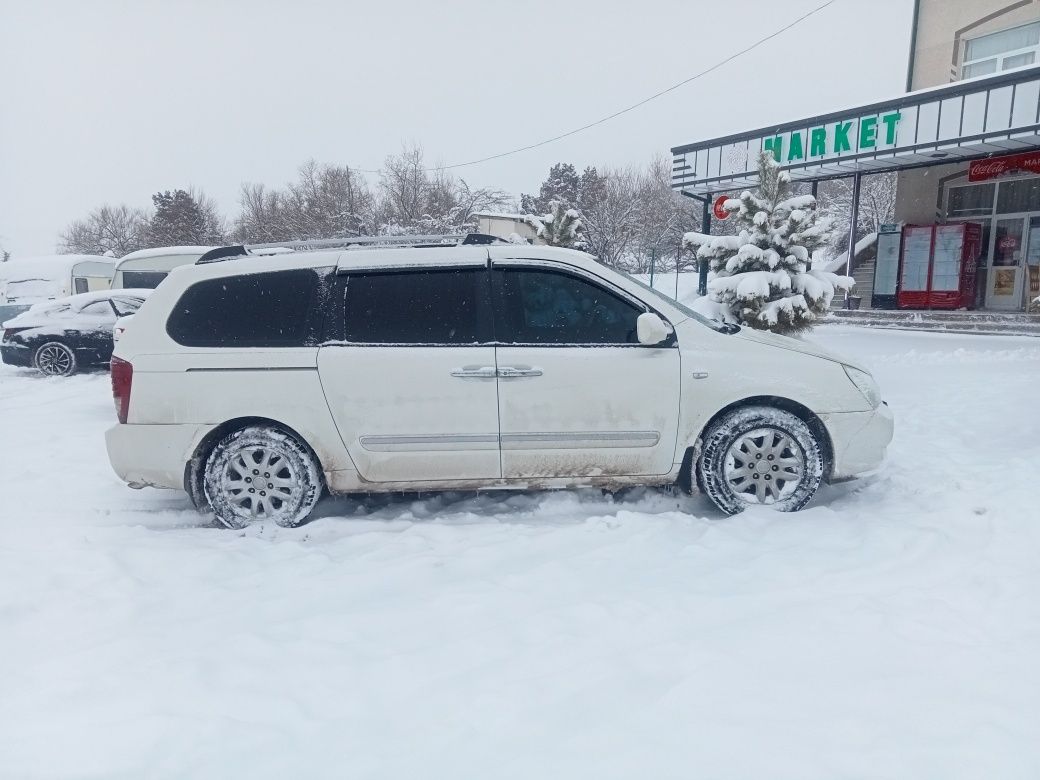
[{"x": 651, "y": 329}]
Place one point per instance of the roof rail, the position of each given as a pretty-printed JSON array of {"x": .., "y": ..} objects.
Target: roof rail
[{"x": 359, "y": 242}]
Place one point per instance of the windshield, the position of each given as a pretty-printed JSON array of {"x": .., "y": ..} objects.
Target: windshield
[{"x": 713, "y": 324}]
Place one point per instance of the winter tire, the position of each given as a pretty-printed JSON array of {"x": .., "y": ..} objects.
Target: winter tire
[
  {"x": 55, "y": 359},
  {"x": 259, "y": 473},
  {"x": 759, "y": 455}
]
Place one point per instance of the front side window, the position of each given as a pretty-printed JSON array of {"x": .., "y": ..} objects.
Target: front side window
[
  {"x": 422, "y": 306},
  {"x": 535, "y": 306},
  {"x": 274, "y": 309},
  {"x": 1001, "y": 50}
]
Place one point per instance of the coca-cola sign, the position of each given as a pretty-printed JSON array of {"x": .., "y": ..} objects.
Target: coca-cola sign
[{"x": 993, "y": 167}]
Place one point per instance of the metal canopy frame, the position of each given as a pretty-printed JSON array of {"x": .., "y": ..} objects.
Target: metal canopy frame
[{"x": 966, "y": 120}]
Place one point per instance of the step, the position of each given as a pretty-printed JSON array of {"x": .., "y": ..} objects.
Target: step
[
  {"x": 940, "y": 315},
  {"x": 976, "y": 327}
]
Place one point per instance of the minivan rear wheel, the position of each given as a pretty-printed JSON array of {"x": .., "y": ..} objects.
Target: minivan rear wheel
[
  {"x": 261, "y": 473},
  {"x": 760, "y": 456}
]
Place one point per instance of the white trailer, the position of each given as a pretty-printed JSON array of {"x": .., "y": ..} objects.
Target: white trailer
[
  {"x": 30, "y": 280},
  {"x": 147, "y": 267}
]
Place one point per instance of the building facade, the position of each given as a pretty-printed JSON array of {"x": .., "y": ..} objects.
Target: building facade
[
  {"x": 964, "y": 140},
  {"x": 956, "y": 40}
]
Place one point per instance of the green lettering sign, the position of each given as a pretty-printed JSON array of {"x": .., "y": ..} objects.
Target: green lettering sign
[
  {"x": 817, "y": 141},
  {"x": 841, "y": 137},
  {"x": 814, "y": 141},
  {"x": 890, "y": 126},
  {"x": 795, "y": 151},
  {"x": 868, "y": 132},
  {"x": 774, "y": 145}
]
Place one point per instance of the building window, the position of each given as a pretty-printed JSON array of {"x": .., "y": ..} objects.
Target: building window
[
  {"x": 1018, "y": 195},
  {"x": 972, "y": 201},
  {"x": 1001, "y": 50}
]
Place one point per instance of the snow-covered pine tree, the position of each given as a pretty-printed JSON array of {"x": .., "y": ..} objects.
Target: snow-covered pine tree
[
  {"x": 560, "y": 227},
  {"x": 761, "y": 277},
  {"x": 184, "y": 217}
]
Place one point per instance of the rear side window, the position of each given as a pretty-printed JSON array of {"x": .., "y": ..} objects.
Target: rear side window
[
  {"x": 417, "y": 307},
  {"x": 100, "y": 309},
  {"x": 275, "y": 309},
  {"x": 125, "y": 306}
]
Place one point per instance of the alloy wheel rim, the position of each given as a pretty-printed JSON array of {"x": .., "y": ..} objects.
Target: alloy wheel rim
[
  {"x": 260, "y": 483},
  {"x": 764, "y": 466},
  {"x": 54, "y": 360}
]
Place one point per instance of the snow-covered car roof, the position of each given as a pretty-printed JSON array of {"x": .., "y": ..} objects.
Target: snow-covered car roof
[
  {"x": 80, "y": 300},
  {"x": 70, "y": 306}
]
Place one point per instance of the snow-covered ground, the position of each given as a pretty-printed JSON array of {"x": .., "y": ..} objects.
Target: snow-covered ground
[{"x": 892, "y": 630}]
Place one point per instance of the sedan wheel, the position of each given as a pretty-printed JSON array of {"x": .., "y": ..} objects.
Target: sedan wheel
[
  {"x": 760, "y": 456},
  {"x": 764, "y": 466},
  {"x": 55, "y": 359},
  {"x": 258, "y": 474}
]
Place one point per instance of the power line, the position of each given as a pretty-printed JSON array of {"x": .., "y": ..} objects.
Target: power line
[{"x": 634, "y": 106}]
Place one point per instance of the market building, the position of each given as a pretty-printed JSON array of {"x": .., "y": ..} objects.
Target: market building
[{"x": 964, "y": 141}]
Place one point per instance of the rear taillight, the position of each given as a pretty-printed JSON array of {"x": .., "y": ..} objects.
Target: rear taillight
[{"x": 122, "y": 379}]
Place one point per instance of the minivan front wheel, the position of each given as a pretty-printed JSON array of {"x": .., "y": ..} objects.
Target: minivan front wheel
[
  {"x": 261, "y": 473},
  {"x": 760, "y": 456}
]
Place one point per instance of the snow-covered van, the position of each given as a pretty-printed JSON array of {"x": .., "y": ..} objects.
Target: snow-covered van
[
  {"x": 148, "y": 267},
  {"x": 30, "y": 280},
  {"x": 257, "y": 382}
]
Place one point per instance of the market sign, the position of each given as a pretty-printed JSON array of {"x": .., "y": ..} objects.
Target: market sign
[
  {"x": 990, "y": 116},
  {"x": 981, "y": 170},
  {"x": 834, "y": 138}
]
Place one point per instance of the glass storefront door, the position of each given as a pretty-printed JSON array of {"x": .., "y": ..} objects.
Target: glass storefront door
[
  {"x": 1031, "y": 279},
  {"x": 1007, "y": 252}
]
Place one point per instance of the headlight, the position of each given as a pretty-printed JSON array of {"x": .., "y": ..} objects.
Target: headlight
[{"x": 866, "y": 384}]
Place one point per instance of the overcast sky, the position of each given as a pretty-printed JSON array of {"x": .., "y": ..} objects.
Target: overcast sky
[{"x": 104, "y": 101}]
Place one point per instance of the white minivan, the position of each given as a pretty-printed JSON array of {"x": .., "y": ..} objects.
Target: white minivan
[{"x": 258, "y": 382}]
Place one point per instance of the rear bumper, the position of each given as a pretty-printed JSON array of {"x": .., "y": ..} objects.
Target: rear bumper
[
  {"x": 153, "y": 455},
  {"x": 860, "y": 440},
  {"x": 16, "y": 355}
]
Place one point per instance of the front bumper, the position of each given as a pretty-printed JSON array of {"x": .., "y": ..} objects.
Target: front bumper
[
  {"x": 153, "y": 455},
  {"x": 859, "y": 441}
]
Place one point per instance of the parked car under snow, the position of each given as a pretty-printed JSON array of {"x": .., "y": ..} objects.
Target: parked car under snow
[{"x": 61, "y": 336}]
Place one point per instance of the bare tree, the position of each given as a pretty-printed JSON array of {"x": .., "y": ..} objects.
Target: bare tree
[
  {"x": 260, "y": 218},
  {"x": 328, "y": 201},
  {"x": 114, "y": 230},
  {"x": 325, "y": 201},
  {"x": 416, "y": 199},
  {"x": 877, "y": 205}
]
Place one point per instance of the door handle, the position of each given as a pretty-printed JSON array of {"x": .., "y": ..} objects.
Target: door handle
[
  {"x": 516, "y": 372},
  {"x": 474, "y": 372}
]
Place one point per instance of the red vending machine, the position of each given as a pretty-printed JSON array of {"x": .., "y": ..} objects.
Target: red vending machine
[{"x": 939, "y": 265}]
